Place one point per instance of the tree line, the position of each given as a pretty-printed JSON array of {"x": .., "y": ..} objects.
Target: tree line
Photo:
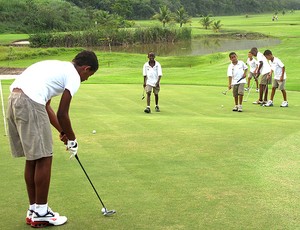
[
  {"x": 32, "y": 16},
  {"x": 144, "y": 9}
]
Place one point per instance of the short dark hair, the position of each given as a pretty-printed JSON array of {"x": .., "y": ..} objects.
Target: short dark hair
[
  {"x": 87, "y": 58},
  {"x": 268, "y": 52},
  {"x": 232, "y": 53},
  {"x": 254, "y": 50}
]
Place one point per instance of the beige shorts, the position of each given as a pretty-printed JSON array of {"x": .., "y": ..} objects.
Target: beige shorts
[
  {"x": 150, "y": 88},
  {"x": 251, "y": 75},
  {"x": 29, "y": 127},
  {"x": 264, "y": 80},
  {"x": 279, "y": 84},
  {"x": 238, "y": 90}
]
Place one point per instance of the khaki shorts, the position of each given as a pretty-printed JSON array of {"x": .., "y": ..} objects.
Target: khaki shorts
[
  {"x": 150, "y": 88},
  {"x": 264, "y": 80},
  {"x": 279, "y": 84},
  {"x": 29, "y": 127},
  {"x": 238, "y": 90},
  {"x": 250, "y": 75}
]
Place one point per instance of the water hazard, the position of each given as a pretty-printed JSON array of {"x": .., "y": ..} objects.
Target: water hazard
[{"x": 195, "y": 47}]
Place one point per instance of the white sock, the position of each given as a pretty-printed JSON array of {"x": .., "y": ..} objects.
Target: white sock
[
  {"x": 41, "y": 209},
  {"x": 148, "y": 106},
  {"x": 32, "y": 207}
]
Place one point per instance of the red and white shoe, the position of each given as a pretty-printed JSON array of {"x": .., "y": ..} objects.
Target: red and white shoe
[
  {"x": 49, "y": 219},
  {"x": 30, "y": 213}
]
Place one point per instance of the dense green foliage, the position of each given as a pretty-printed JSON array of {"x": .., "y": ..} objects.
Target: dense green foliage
[
  {"x": 110, "y": 37},
  {"x": 32, "y": 16},
  {"x": 138, "y": 9}
]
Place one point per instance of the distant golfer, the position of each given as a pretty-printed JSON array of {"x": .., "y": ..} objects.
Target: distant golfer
[
  {"x": 236, "y": 73},
  {"x": 278, "y": 68},
  {"x": 152, "y": 73},
  {"x": 29, "y": 115},
  {"x": 264, "y": 70}
]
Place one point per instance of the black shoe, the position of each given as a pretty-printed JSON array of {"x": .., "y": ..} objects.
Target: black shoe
[
  {"x": 147, "y": 110},
  {"x": 157, "y": 108}
]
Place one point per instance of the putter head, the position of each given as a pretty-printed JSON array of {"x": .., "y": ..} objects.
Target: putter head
[
  {"x": 224, "y": 92},
  {"x": 106, "y": 212},
  {"x": 143, "y": 97}
]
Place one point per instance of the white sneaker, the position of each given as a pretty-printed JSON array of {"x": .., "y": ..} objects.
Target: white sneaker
[
  {"x": 284, "y": 104},
  {"x": 50, "y": 218},
  {"x": 246, "y": 89},
  {"x": 235, "y": 108},
  {"x": 30, "y": 213},
  {"x": 269, "y": 103},
  {"x": 240, "y": 108},
  {"x": 257, "y": 90},
  {"x": 258, "y": 102}
]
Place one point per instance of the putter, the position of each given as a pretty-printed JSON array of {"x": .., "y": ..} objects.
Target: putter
[
  {"x": 249, "y": 90},
  {"x": 143, "y": 95},
  {"x": 224, "y": 92},
  {"x": 104, "y": 210}
]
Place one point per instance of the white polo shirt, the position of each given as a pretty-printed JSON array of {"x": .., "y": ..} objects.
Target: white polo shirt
[
  {"x": 276, "y": 66},
  {"x": 252, "y": 64},
  {"x": 46, "y": 79},
  {"x": 152, "y": 73},
  {"x": 266, "y": 68},
  {"x": 236, "y": 72}
]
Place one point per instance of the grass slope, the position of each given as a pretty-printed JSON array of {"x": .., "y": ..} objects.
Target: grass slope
[{"x": 194, "y": 165}]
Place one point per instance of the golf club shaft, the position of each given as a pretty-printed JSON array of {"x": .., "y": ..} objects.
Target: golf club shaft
[
  {"x": 249, "y": 90},
  {"x": 76, "y": 156}
]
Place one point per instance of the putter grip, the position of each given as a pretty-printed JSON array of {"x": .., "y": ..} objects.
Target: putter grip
[{"x": 240, "y": 79}]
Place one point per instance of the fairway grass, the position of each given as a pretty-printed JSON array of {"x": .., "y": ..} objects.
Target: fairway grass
[{"x": 194, "y": 165}]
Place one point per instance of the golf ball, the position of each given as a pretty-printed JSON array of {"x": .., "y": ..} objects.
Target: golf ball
[
  {"x": 103, "y": 210},
  {"x": 94, "y": 131},
  {"x": 222, "y": 106}
]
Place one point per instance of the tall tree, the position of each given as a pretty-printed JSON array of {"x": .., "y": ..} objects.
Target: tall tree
[
  {"x": 181, "y": 16},
  {"x": 164, "y": 15},
  {"x": 206, "y": 22}
]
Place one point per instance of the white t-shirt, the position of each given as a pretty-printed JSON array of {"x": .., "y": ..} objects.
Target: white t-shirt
[
  {"x": 46, "y": 79},
  {"x": 276, "y": 66},
  {"x": 266, "y": 66},
  {"x": 152, "y": 73},
  {"x": 236, "y": 72},
  {"x": 252, "y": 64}
]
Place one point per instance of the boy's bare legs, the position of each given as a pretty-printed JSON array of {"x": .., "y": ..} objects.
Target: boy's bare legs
[
  {"x": 156, "y": 99},
  {"x": 241, "y": 99},
  {"x": 148, "y": 99},
  {"x": 272, "y": 93},
  {"x": 266, "y": 92},
  {"x": 256, "y": 81},
  {"x": 37, "y": 178},
  {"x": 284, "y": 95},
  {"x": 249, "y": 79}
]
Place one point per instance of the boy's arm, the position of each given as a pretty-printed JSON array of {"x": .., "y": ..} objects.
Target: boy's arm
[
  {"x": 282, "y": 75},
  {"x": 54, "y": 122},
  {"x": 257, "y": 71},
  {"x": 229, "y": 82},
  {"x": 63, "y": 115}
]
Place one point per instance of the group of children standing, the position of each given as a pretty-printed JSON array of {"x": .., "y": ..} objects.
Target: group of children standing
[{"x": 264, "y": 65}]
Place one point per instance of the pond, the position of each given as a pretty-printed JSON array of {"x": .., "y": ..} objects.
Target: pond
[{"x": 195, "y": 47}]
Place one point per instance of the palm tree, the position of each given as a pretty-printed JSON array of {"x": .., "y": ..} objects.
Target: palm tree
[
  {"x": 217, "y": 26},
  {"x": 206, "y": 22},
  {"x": 181, "y": 16},
  {"x": 164, "y": 15}
]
